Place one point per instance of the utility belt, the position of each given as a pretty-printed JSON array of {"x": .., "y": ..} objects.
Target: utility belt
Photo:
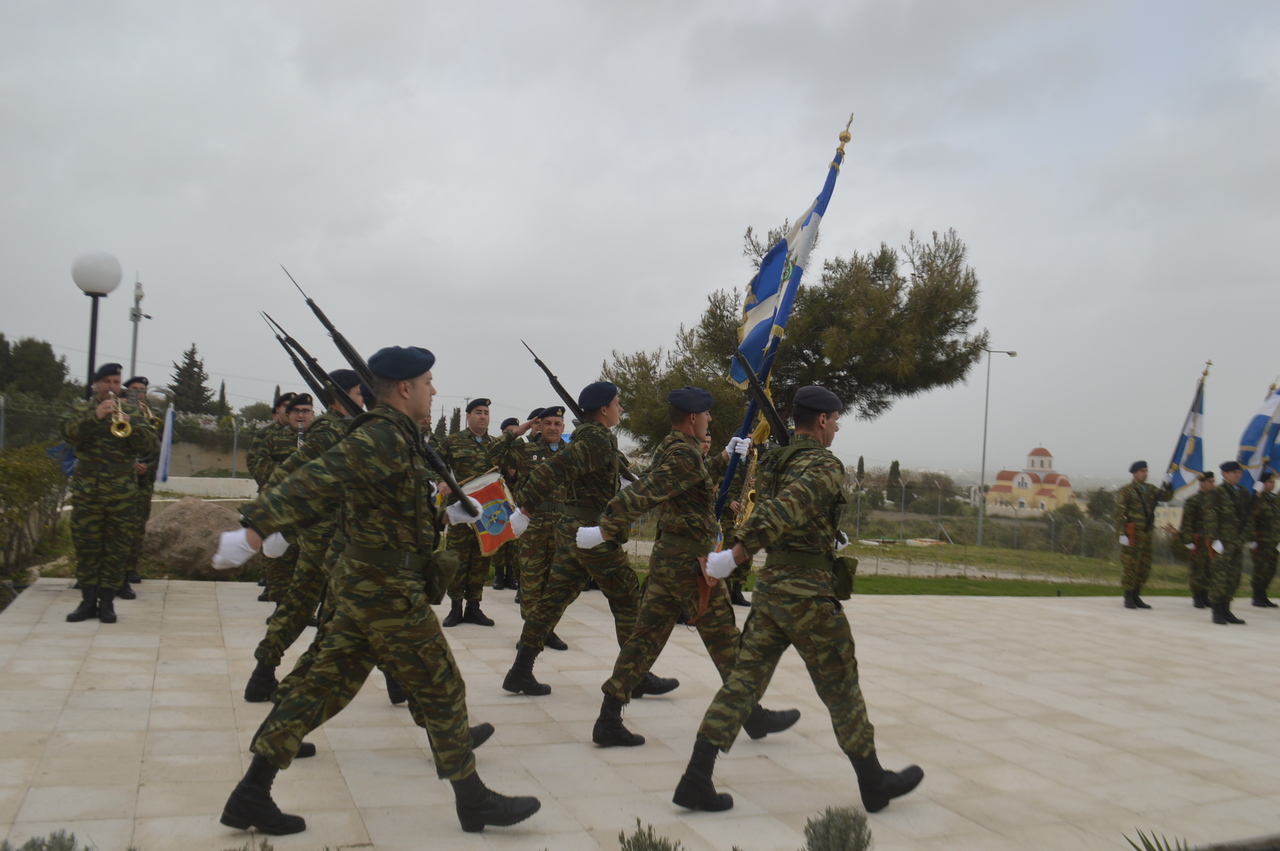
[
  {"x": 104, "y": 467},
  {"x": 842, "y": 568},
  {"x": 690, "y": 545},
  {"x": 436, "y": 569},
  {"x": 586, "y": 515},
  {"x": 550, "y": 507}
]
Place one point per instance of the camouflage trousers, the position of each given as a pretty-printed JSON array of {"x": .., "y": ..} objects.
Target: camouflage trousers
[
  {"x": 506, "y": 561},
  {"x": 1225, "y": 576},
  {"x": 103, "y": 511},
  {"x": 146, "y": 488},
  {"x": 1264, "y": 566},
  {"x": 607, "y": 564},
  {"x": 1135, "y": 561},
  {"x": 301, "y": 597},
  {"x": 1199, "y": 565},
  {"x": 387, "y": 620},
  {"x": 279, "y": 571},
  {"x": 537, "y": 551},
  {"x": 473, "y": 568},
  {"x": 672, "y": 588},
  {"x": 820, "y": 632}
]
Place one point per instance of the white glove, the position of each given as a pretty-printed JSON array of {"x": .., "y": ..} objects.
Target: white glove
[
  {"x": 275, "y": 545},
  {"x": 457, "y": 513},
  {"x": 1277, "y": 547},
  {"x": 624, "y": 483},
  {"x": 589, "y": 536},
  {"x": 739, "y": 446},
  {"x": 1253, "y": 545},
  {"x": 842, "y": 540},
  {"x": 720, "y": 564},
  {"x": 1259, "y": 487},
  {"x": 1124, "y": 540},
  {"x": 519, "y": 522},
  {"x": 1218, "y": 547},
  {"x": 1191, "y": 546},
  {"x": 233, "y": 549}
]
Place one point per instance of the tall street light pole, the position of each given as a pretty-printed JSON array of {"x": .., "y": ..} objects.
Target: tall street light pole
[
  {"x": 136, "y": 316},
  {"x": 96, "y": 273},
  {"x": 982, "y": 476}
]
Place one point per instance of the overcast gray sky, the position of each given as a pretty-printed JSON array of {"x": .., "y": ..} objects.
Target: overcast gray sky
[{"x": 461, "y": 175}]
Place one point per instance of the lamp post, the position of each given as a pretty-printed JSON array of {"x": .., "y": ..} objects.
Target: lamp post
[
  {"x": 982, "y": 476},
  {"x": 136, "y": 316},
  {"x": 97, "y": 273}
]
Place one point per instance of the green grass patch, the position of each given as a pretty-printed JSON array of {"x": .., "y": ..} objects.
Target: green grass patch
[{"x": 959, "y": 586}]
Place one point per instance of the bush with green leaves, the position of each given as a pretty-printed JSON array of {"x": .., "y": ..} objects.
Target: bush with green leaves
[
  {"x": 32, "y": 487},
  {"x": 837, "y": 829}
]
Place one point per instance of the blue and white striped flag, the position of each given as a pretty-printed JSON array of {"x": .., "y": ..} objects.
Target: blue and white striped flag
[
  {"x": 1188, "y": 457},
  {"x": 166, "y": 447},
  {"x": 1259, "y": 437},
  {"x": 772, "y": 291}
]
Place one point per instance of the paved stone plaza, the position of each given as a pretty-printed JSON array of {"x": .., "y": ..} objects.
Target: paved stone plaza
[{"x": 1045, "y": 723}]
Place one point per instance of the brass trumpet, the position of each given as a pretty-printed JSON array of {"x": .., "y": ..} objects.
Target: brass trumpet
[{"x": 120, "y": 426}]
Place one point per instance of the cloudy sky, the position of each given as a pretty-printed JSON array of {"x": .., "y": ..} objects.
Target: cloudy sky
[{"x": 461, "y": 175}]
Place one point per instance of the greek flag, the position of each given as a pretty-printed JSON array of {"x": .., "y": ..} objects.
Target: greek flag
[
  {"x": 772, "y": 291},
  {"x": 1259, "y": 439},
  {"x": 166, "y": 447},
  {"x": 1188, "y": 457}
]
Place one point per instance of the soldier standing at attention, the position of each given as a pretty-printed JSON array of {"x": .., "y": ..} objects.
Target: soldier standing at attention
[
  {"x": 468, "y": 454},
  {"x": 1266, "y": 536},
  {"x": 104, "y": 492},
  {"x": 383, "y": 616},
  {"x": 260, "y": 463},
  {"x": 1135, "y": 520},
  {"x": 678, "y": 487},
  {"x": 1193, "y": 533},
  {"x": 145, "y": 467},
  {"x": 586, "y": 472},
  {"x": 796, "y": 518},
  {"x": 1229, "y": 520},
  {"x": 506, "y": 561}
]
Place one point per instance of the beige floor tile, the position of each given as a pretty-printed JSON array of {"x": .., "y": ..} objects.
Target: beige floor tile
[
  {"x": 190, "y": 833},
  {"x": 51, "y": 803},
  {"x": 185, "y": 768},
  {"x": 87, "y": 771},
  {"x": 192, "y": 742}
]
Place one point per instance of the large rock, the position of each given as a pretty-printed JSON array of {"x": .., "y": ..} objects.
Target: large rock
[{"x": 184, "y": 536}]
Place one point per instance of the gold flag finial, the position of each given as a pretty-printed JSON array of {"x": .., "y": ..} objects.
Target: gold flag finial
[
  {"x": 1207, "y": 364},
  {"x": 844, "y": 134}
]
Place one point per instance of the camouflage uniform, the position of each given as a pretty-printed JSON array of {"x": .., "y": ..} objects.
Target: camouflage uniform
[
  {"x": 146, "y": 489},
  {"x": 382, "y": 613},
  {"x": 586, "y": 472},
  {"x": 104, "y": 492},
  {"x": 468, "y": 456},
  {"x": 795, "y": 518},
  {"x": 1229, "y": 521},
  {"x": 1135, "y": 518},
  {"x": 1266, "y": 531},
  {"x": 259, "y": 456},
  {"x": 299, "y": 601},
  {"x": 537, "y": 546},
  {"x": 278, "y": 445},
  {"x": 1193, "y": 531},
  {"x": 678, "y": 486}
]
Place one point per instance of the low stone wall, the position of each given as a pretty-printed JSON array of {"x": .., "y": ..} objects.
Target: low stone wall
[{"x": 245, "y": 488}]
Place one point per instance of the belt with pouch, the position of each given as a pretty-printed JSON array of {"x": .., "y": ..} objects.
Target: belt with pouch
[
  {"x": 390, "y": 559},
  {"x": 689, "y": 545},
  {"x": 795, "y": 558},
  {"x": 104, "y": 467},
  {"x": 586, "y": 515}
]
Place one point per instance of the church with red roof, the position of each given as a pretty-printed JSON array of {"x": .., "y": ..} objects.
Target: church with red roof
[{"x": 1032, "y": 490}]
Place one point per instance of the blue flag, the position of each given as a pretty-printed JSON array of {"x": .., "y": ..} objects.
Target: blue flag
[
  {"x": 1188, "y": 457},
  {"x": 1258, "y": 439}
]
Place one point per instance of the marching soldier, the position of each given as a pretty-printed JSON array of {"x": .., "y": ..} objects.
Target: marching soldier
[
  {"x": 260, "y": 463},
  {"x": 1135, "y": 520},
  {"x": 467, "y": 453},
  {"x": 586, "y": 473},
  {"x": 378, "y": 472},
  {"x": 1193, "y": 533},
  {"x": 796, "y": 519},
  {"x": 506, "y": 561},
  {"x": 678, "y": 487},
  {"x": 280, "y": 444},
  {"x": 1229, "y": 520},
  {"x": 104, "y": 491},
  {"x": 145, "y": 467},
  {"x": 1266, "y": 536}
]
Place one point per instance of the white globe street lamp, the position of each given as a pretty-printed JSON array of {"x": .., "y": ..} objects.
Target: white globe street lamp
[
  {"x": 97, "y": 273},
  {"x": 982, "y": 476}
]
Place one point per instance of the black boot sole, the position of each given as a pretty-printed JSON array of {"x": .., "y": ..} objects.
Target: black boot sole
[
  {"x": 244, "y": 821},
  {"x": 690, "y": 795},
  {"x": 476, "y": 822},
  {"x": 606, "y": 737},
  {"x": 905, "y": 781},
  {"x": 535, "y": 689}
]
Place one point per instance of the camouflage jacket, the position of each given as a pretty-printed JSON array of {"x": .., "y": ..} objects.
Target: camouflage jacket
[
  {"x": 586, "y": 471},
  {"x": 1195, "y": 517},
  {"x": 324, "y": 433},
  {"x": 100, "y": 452},
  {"x": 799, "y": 499},
  {"x": 467, "y": 455},
  {"x": 523, "y": 456},
  {"x": 377, "y": 474},
  {"x": 274, "y": 445},
  {"x": 1266, "y": 519},
  {"x": 1136, "y": 504},
  {"x": 1229, "y": 517},
  {"x": 678, "y": 485}
]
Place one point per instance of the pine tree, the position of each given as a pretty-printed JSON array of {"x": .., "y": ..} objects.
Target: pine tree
[
  {"x": 455, "y": 421},
  {"x": 224, "y": 410},
  {"x": 895, "y": 477},
  {"x": 442, "y": 428},
  {"x": 276, "y": 396},
  {"x": 190, "y": 395},
  {"x": 862, "y": 471}
]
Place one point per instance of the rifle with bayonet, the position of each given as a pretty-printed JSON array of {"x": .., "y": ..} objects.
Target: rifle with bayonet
[
  {"x": 572, "y": 405},
  {"x": 357, "y": 363},
  {"x": 322, "y": 395}
]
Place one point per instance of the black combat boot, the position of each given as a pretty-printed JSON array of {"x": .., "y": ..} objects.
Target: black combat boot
[
  {"x": 395, "y": 694},
  {"x": 695, "y": 791},
  {"x": 455, "y": 614},
  {"x": 479, "y": 807},
  {"x": 472, "y": 614},
  {"x": 555, "y": 642},
  {"x": 88, "y": 607},
  {"x": 878, "y": 786},
  {"x": 1128, "y": 600},
  {"x": 1200, "y": 599},
  {"x": 735, "y": 595},
  {"x": 265, "y": 596},
  {"x": 106, "y": 605},
  {"x": 262, "y": 684},
  {"x": 132, "y": 576},
  {"x": 761, "y": 722},
  {"x": 654, "y": 685},
  {"x": 609, "y": 730},
  {"x": 1260, "y": 600},
  {"x": 480, "y": 734},
  {"x": 250, "y": 804},
  {"x": 1137, "y": 601},
  {"x": 1218, "y": 616},
  {"x": 513, "y": 580},
  {"x": 520, "y": 679},
  {"x": 125, "y": 592},
  {"x": 499, "y": 582},
  {"x": 1226, "y": 613}
]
